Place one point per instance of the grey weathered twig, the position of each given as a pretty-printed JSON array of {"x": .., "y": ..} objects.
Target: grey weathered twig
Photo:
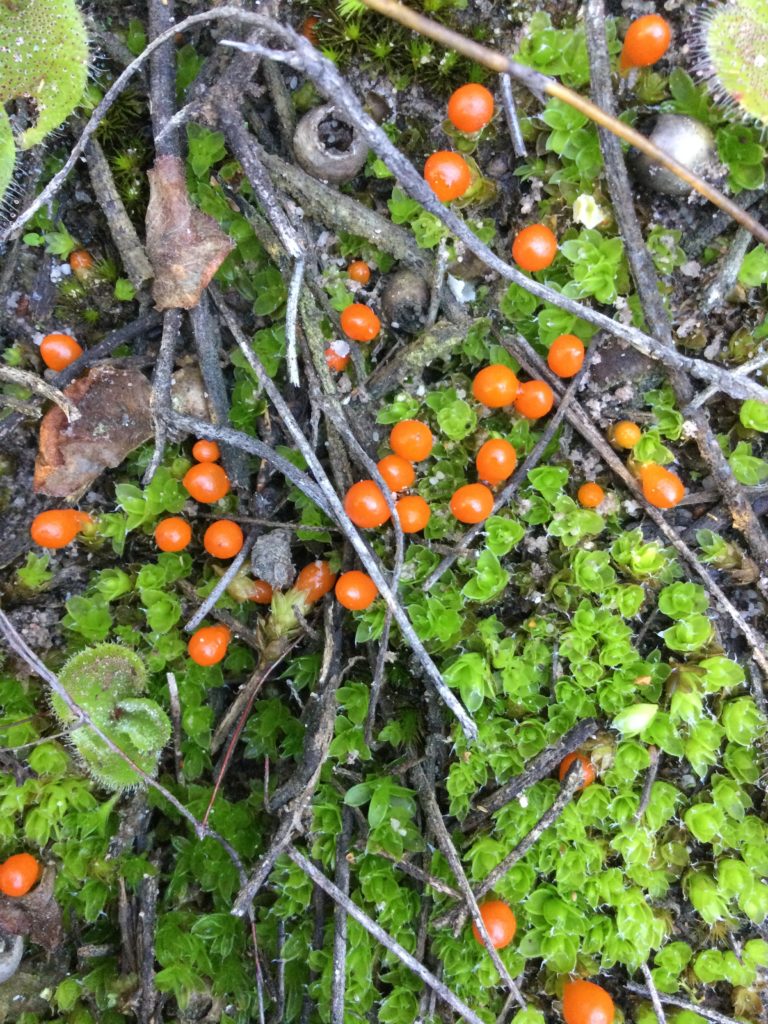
[
  {"x": 341, "y": 879},
  {"x": 31, "y": 381},
  {"x": 683, "y": 1004},
  {"x": 657, "y": 1007},
  {"x": 160, "y": 403},
  {"x": 650, "y": 778},
  {"x": 510, "y": 114}
]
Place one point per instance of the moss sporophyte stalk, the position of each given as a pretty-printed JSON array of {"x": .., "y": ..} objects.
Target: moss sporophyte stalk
[{"x": 43, "y": 57}]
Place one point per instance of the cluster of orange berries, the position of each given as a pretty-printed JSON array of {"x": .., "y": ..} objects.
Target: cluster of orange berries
[{"x": 18, "y": 874}]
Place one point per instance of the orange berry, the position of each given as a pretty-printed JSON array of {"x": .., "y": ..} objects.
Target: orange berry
[
  {"x": 590, "y": 495},
  {"x": 315, "y": 580},
  {"x": 57, "y": 527},
  {"x": 413, "y": 513},
  {"x": 588, "y": 769},
  {"x": 566, "y": 355},
  {"x": 18, "y": 874},
  {"x": 496, "y": 460},
  {"x": 366, "y": 506},
  {"x": 499, "y": 922},
  {"x": 261, "y": 592},
  {"x": 223, "y": 539},
  {"x": 586, "y": 1003},
  {"x": 495, "y": 386},
  {"x": 448, "y": 175},
  {"x": 356, "y": 591},
  {"x": 206, "y": 451},
  {"x": 661, "y": 487},
  {"x": 470, "y": 107},
  {"x": 358, "y": 270},
  {"x": 308, "y": 28},
  {"x": 625, "y": 434},
  {"x": 534, "y": 248},
  {"x": 646, "y": 41},
  {"x": 206, "y": 482},
  {"x": 398, "y": 472},
  {"x": 411, "y": 440},
  {"x": 208, "y": 646},
  {"x": 81, "y": 263},
  {"x": 472, "y": 503},
  {"x": 59, "y": 350},
  {"x": 360, "y": 323},
  {"x": 173, "y": 534},
  {"x": 535, "y": 399},
  {"x": 337, "y": 356}
]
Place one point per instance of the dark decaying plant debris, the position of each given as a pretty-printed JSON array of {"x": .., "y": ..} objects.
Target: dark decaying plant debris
[{"x": 343, "y": 792}]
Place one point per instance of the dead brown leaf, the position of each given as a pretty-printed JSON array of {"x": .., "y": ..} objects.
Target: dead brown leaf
[
  {"x": 114, "y": 419},
  {"x": 185, "y": 246},
  {"x": 36, "y": 916}
]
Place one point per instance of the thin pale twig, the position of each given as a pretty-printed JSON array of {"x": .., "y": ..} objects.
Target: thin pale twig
[
  {"x": 160, "y": 402},
  {"x": 683, "y": 1004},
  {"x": 510, "y": 115},
  {"x": 31, "y": 381},
  {"x": 657, "y": 1007},
  {"x": 232, "y": 570},
  {"x": 291, "y": 316}
]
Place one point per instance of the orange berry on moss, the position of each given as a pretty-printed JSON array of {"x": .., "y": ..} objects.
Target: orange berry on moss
[
  {"x": 661, "y": 487},
  {"x": 625, "y": 434},
  {"x": 81, "y": 263},
  {"x": 360, "y": 323},
  {"x": 308, "y": 28},
  {"x": 646, "y": 41},
  {"x": 499, "y": 921},
  {"x": 337, "y": 356},
  {"x": 59, "y": 350},
  {"x": 57, "y": 527},
  {"x": 413, "y": 513},
  {"x": 587, "y": 1003},
  {"x": 566, "y": 355},
  {"x": 472, "y": 503},
  {"x": 535, "y": 399},
  {"x": 261, "y": 592},
  {"x": 358, "y": 270},
  {"x": 355, "y": 590},
  {"x": 496, "y": 460},
  {"x": 366, "y": 506},
  {"x": 206, "y": 482},
  {"x": 173, "y": 534},
  {"x": 223, "y": 539},
  {"x": 398, "y": 472},
  {"x": 18, "y": 874},
  {"x": 534, "y": 248},
  {"x": 588, "y": 769},
  {"x": 447, "y": 174},
  {"x": 315, "y": 580},
  {"x": 470, "y": 107},
  {"x": 411, "y": 440},
  {"x": 590, "y": 495},
  {"x": 208, "y": 646},
  {"x": 495, "y": 386},
  {"x": 206, "y": 451}
]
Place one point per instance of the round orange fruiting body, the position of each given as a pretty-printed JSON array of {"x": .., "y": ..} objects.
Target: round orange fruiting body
[
  {"x": 496, "y": 460},
  {"x": 173, "y": 534},
  {"x": 81, "y": 263},
  {"x": 646, "y": 41},
  {"x": 470, "y": 107},
  {"x": 535, "y": 399},
  {"x": 308, "y": 28},
  {"x": 355, "y": 590},
  {"x": 398, "y": 473},
  {"x": 208, "y": 646},
  {"x": 223, "y": 539},
  {"x": 472, "y": 503},
  {"x": 566, "y": 355},
  {"x": 448, "y": 175},
  {"x": 57, "y": 527},
  {"x": 499, "y": 921},
  {"x": 315, "y": 580},
  {"x": 534, "y": 248},
  {"x": 58, "y": 351},
  {"x": 625, "y": 434},
  {"x": 661, "y": 487},
  {"x": 207, "y": 482},
  {"x": 495, "y": 386},
  {"x": 590, "y": 495},
  {"x": 18, "y": 874},
  {"x": 360, "y": 323},
  {"x": 261, "y": 592},
  {"x": 413, "y": 513},
  {"x": 358, "y": 270},
  {"x": 411, "y": 440},
  {"x": 337, "y": 356},
  {"x": 588, "y": 769},
  {"x": 366, "y": 506},
  {"x": 587, "y": 1003},
  {"x": 206, "y": 451}
]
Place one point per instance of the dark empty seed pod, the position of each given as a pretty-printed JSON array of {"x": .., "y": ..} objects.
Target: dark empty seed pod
[
  {"x": 327, "y": 146},
  {"x": 405, "y": 301},
  {"x": 686, "y": 140}
]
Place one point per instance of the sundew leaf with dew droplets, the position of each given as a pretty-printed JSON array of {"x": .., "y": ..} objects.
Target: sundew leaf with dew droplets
[{"x": 735, "y": 39}]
